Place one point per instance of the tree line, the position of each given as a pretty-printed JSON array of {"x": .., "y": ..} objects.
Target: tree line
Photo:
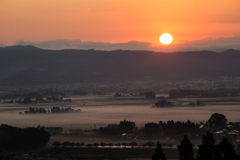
[
  {"x": 171, "y": 129},
  {"x": 13, "y": 137},
  {"x": 103, "y": 144},
  {"x": 208, "y": 150},
  {"x": 153, "y": 130},
  {"x": 220, "y": 92}
]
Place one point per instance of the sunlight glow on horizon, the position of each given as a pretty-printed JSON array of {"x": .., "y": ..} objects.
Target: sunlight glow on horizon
[{"x": 117, "y": 21}]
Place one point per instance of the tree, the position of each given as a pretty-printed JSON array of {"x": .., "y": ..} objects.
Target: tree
[
  {"x": 150, "y": 144},
  {"x": 13, "y": 137},
  {"x": 66, "y": 143},
  {"x": 126, "y": 126},
  {"x": 185, "y": 149},
  {"x": 158, "y": 155},
  {"x": 133, "y": 144},
  {"x": 118, "y": 144},
  {"x": 27, "y": 100},
  {"x": 151, "y": 129},
  {"x": 217, "y": 153},
  {"x": 199, "y": 103},
  {"x": 71, "y": 144},
  {"x": 150, "y": 95},
  {"x": 163, "y": 103},
  {"x": 238, "y": 146},
  {"x": 144, "y": 145},
  {"x": 103, "y": 144},
  {"x": 56, "y": 144},
  {"x": 226, "y": 148},
  {"x": 82, "y": 144},
  {"x": 163, "y": 144},
  {"x": 95, "y": 144},
  {"x": 217, "y": 121},
  {"x": 89, "y": 145},
  {"x": 207, "y": 149},
  {"x": 78, "y": 144},
  {"x": 110, "y": 145},
  {"x": 124, "y": 144}
]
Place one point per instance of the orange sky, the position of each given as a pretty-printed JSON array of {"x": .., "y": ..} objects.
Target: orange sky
[{"x": 117, "y": 21}]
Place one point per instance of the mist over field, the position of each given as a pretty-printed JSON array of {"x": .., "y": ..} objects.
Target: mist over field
[
  {"x": 99, "y": 111},
  {"x": 120, "y": 80}
]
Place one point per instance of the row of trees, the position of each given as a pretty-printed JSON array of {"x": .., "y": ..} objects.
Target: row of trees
[
  {"x": 53, "y": 110},
  {"x": 123, "y": 127},
  {"x": 208, "y": 150},
  {"x": 220, "y": 92},
  {"x": 102, "y": 144},
  {"x": 32, "y": 95},
  {"x": 29, "y": 100},
  {"x": 46, "y": 93},
  {"x": 170, "y": 128},
  {"x": 217, "y": 122}
]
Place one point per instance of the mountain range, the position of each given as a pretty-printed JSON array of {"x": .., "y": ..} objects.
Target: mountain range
[{"x": 24, "y": 64}]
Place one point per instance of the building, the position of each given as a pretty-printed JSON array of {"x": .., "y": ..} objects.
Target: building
[{"x": 127, "y": 136}]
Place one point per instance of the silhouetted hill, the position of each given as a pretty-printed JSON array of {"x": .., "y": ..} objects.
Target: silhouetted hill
[
  {"x": 231, "y": 52},
  {"x": 31, "y": 64}
]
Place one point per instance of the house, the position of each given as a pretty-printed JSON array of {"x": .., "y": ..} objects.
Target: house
[
  {"x": 221, "y": 133},
  {"x": 127, "y": 136},
  {"x": 226, "y": 133},
  {"x": 205, "y": 128},
  {"x": 233, "y": 133}
]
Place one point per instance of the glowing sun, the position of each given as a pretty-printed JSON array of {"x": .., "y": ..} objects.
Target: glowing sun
[{"x": 166, "y": 38}]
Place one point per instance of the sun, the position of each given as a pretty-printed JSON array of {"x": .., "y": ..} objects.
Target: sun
[{"x": 166, "y": 38}]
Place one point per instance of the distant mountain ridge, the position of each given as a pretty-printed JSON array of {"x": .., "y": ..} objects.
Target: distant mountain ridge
[
  {"x": 31, "y": 64},
  {"x": 231, "y": 52}
]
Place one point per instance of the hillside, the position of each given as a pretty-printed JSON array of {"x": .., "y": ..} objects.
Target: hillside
[{"x": 31, "y": 64}]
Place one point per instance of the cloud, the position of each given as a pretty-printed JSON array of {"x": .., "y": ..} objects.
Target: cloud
[
  {"x": 208, "y": 43},
  {"x": 78, "y": 44},
  {"x": 2, "y": 45},
  {"x": 219, "y": 44},
  {"x": 219, "y": 41}
]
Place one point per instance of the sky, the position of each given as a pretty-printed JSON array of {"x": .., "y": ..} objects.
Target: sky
[{"x": 121, "y": 24}]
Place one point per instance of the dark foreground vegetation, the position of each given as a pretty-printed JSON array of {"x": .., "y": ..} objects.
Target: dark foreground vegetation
[
  {"x": 18, "y": 138},
  {"x": 169, "y": 129},
  {"x": 15, "y": 138},
  {"x": 208, "y": 150}
]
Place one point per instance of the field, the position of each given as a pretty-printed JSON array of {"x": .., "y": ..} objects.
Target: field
[{"x": 101, "y": 110}]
